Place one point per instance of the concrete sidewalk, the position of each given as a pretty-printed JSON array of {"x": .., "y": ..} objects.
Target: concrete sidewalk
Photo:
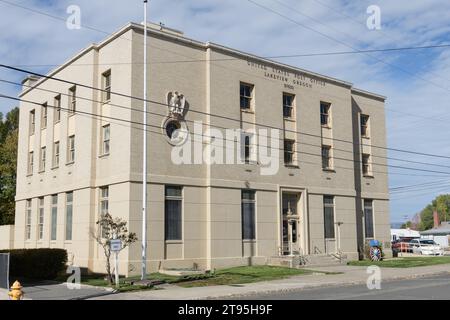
[
  {"x": 350, "y": 276},
  {"x": 50, "y": 290}
]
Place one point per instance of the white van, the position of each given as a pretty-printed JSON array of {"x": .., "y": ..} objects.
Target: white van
[{"x": 426, "y": 247}]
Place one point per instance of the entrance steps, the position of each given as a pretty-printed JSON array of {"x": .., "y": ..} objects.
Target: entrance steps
[{"x": 313, "y": 260}]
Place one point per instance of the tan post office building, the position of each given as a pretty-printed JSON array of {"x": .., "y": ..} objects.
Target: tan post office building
[{"x": 80, "y": 156}]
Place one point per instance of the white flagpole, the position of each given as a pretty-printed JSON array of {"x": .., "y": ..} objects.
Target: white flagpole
[{"x": 144, "y": 162}]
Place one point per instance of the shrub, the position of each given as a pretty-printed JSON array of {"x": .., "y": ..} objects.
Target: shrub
[{"x": 39, "y": 264}]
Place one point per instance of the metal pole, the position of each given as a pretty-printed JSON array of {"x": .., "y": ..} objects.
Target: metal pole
[
  {"x": 117, "y": 269},
  {"x": 144, "y": 157}
]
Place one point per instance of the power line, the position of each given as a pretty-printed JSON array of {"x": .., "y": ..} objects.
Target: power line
[
  {"x": 232, "y": 59},
  {"x": 420, "y": 194},
  {"x": 225, "y": 59},
  {"x": 219, "y": 116},
  {"x": 337, "y": 30},
  {"x": 220, "y": 127},
  {"x": 427, "y": 187},
  {"x": 418, "y": 185},
  {"x": 343, "y": 43},
  {"x": 298, "y": 152}
]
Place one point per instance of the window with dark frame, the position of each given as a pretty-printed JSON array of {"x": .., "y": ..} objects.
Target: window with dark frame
[
  {"x": 328, "y": 212},
  {"x": 325, "y": 114},
  {"x": 32, "y": 122},
  {"x": 72, "y": 100},
  {"x": 368, "y": 219},
  {"x": 28, "y": 220},
  {"x": 44, "y": 116},
  {"x": 289, "y": 152},
  {"x": 173, "y": 213},
  {"x": 248, "y": 214},
  {"x": 106, "y": 86},
  {"x": 41, "y": 219},
  {"x": 43, "y": 159},
  {"x": 366, "y": 168},
  {"x": 326, "y": 157},
  {"x": 57, "y": 112},
  {"x": 54, "y": 226},
  {"x": 246, "y": 96},
  {"x": 364, "y": 126},
  {"x": 71, "y": 149},
  {"x": 56, "y": 154},
  {"x": 106, "y": 130},
  {"x": 69, "y": 215},
  {"x": 288, "y": 105},
  {"x": 104, "y": 207},
  {"x": 30, "y": 162}
]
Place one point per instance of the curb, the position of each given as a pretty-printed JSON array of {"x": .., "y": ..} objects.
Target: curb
[{"x": 314, "y": 286}]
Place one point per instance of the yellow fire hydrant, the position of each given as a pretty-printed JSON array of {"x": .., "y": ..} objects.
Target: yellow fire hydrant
[{"x": 16, "y": 291}]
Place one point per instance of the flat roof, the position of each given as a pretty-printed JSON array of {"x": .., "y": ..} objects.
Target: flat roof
[{"x": 187, "y": 41}]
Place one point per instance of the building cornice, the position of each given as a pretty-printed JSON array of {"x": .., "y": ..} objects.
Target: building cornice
[{"x": 204, "y": 46}]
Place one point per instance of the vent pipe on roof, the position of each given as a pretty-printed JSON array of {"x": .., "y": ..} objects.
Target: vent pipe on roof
[{"x": 436, "y": 219}]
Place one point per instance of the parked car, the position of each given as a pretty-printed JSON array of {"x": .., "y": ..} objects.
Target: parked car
[{"x": 426, "y": 247}]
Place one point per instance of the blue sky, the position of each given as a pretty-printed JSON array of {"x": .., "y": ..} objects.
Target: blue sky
[{"x": 417, "y": 83}]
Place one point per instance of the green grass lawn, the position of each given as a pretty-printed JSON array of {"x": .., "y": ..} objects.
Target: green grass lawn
[
  {"x": 406, "y": 262},
  {"x": 99, "y": 281},
  {"x": 241, "y": 275},
  {"x": 230, "y": 276}
]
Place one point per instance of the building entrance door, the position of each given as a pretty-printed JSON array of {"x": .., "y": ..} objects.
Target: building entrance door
[{"x": 290, "y": 224}]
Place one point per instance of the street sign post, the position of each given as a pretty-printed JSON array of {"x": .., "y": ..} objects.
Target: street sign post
[{"x": 116, "y": 246}]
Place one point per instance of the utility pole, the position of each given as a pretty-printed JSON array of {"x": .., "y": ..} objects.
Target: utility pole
[{"x": 144, "y": 158}]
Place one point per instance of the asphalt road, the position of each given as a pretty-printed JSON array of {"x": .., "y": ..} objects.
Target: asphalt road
[{"x": 432, "y": 288}]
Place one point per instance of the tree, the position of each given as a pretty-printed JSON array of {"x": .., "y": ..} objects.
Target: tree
[
  {"x": 441, "y": 204},
  {"x": 109, "y": 229},
  {"x": 8, "y": 165},
  {"x": 406, "y": 225}
]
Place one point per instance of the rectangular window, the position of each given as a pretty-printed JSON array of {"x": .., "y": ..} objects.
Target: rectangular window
[
  {"x": 32, "y": 122},
  {"x": 69, "y": 215},
  {"x": 328, "y": 216},
  {"x": 30, "y": 162},
  {"x": 106, "y": 86},
  {"x": 71, "y": 150},
  {"x": 326, "y": 157},
  {"x": 248, "y": 147},
  {"x": 44, "y": 116},
  {"x": 104, "y": 207},
  {"x": 41, "y": 219},
  {"x": 366, "y": 167},
  {"x": 43, "y": 159},
  {"x": 57, "y": 112},
  {"x": 289, "y": 152},
  {"x": 248, "y": 214},
  {"x": 106, "y": 130},
  {"x": 368, "y": 219},
  {"x": 54, "y": 217},
  {"x": 28, "y": 220},
  {"x": 246, "y": 94},
  {"x": 72, "y": 100},
  {"x": 173, "y": 213},
  {"x": 325, "y": 114},
  {"x": 288, "y": 105},
  {"x": 56, "y": 154},
  {"x": 364, "y": 126}
]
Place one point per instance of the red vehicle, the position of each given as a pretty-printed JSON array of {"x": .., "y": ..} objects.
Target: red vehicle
[{"x": 401, "y": 245}]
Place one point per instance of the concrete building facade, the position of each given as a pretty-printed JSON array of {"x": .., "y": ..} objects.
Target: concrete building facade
[{"x": 80, "y": 155}]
